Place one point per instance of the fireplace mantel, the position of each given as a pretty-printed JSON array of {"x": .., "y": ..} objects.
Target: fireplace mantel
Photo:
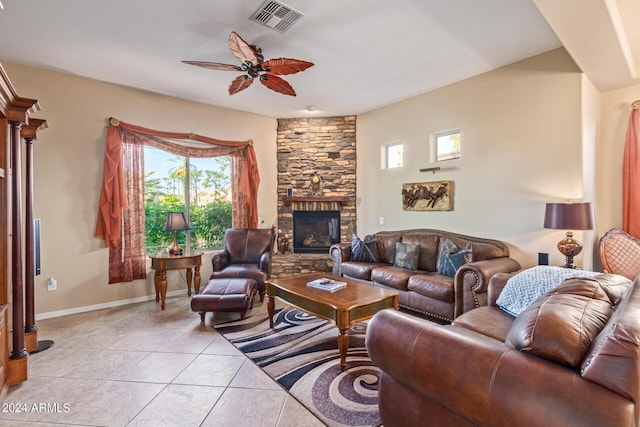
[{"x": 287, "y": 200}]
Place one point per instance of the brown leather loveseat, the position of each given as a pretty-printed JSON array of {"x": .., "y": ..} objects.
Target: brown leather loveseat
[
  {"x": 424, "y": 289},
  {"x": 570, "y": 359}
]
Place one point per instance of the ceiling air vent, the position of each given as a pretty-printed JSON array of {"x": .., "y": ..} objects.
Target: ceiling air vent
[{"x": 276, "y": 15}]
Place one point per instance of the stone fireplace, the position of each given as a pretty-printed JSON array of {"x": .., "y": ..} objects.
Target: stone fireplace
[
  {"x": 322, "y": 147},
  {"x": 315, "y": 231}
]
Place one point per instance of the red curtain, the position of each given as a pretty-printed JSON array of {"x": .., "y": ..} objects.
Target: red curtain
[
  {"x": 120, "y": 218},
  {"x": 631, "y": 176}
]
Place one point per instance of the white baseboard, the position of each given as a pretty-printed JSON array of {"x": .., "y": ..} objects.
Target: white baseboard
[{"x": 111, "y": 304}]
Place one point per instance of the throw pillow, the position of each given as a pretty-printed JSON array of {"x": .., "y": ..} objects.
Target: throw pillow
[
  {"x": 522, "y": 289},
  {"x": 407, "y": 256},
  {"x": 365, "y": 250},
  {"x": 356, "y": 249},
  {"x": 451, "y": 258},
  {"x": 370, "y": 249}
]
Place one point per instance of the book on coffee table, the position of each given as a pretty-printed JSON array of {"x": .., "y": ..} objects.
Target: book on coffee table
[{"x": 327, "y": 284}]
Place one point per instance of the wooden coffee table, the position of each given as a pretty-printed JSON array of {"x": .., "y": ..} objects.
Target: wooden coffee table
[{"x": 355, "y": 303}]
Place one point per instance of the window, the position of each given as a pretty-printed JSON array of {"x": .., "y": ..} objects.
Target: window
[
  {"x": 392, "y": 155},
  {"x": 446, "y": 145},
  {"x": 208, "y": 211}
]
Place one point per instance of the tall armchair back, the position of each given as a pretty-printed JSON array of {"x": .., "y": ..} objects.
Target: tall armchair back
[
  {"x": 247, "y": 254},
  {"x": 620, "y": 253}
]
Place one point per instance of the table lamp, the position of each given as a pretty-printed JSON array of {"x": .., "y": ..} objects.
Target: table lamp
[
  {"x": 175, "y": 222},
  {"x": 569, "y": 216}
]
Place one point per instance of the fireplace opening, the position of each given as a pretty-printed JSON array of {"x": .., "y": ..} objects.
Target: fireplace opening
[{"x": 315, "y": 231}]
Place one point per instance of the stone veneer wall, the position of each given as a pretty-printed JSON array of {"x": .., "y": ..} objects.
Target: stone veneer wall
[{"x": 327, "y": 146}]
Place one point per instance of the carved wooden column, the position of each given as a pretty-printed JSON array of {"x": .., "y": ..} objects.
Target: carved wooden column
[
  {"x": 14, "y": 112},
  {"x": 29, "y": 133},
  {"x": 18, "y": 351},
  {"x": 17, "y": 364}
]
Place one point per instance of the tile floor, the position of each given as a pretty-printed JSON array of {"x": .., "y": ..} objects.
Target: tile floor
[{"x": 137, "y": 365}]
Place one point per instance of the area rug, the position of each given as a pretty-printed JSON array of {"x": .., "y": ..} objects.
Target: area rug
[{"x": 301, "y": 354}]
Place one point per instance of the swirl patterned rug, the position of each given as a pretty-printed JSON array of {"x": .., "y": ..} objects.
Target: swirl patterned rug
[{"x": 301, "y": 354}]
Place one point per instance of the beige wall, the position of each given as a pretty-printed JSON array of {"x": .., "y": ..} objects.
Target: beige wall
[
  {"x": 533, "y": 132},
  {"x": 68, "y": 159},
  {"x": 614, "y": 111},
  {"x": 521, "y": 147}
]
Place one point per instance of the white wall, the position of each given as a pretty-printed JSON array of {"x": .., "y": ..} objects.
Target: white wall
[
  {"x": 521, "y": 147},
  {"x": 590, "y": 129},
  {"x": 68, "y": 166}
]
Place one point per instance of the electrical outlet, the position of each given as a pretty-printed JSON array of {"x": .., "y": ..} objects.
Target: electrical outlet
[
  {"x": 381, "y": 220},
  {"x": 52, "y": 284}
]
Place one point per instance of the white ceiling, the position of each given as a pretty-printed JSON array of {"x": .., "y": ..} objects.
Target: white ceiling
[{"x": 367, "y": 53}]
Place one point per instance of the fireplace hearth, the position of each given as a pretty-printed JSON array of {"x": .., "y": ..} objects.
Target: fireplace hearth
[{"x": 315, "y": 231}]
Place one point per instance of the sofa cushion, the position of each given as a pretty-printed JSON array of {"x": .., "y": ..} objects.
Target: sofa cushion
[
  {"x": 488, "y": 321},
  {"x": 392, "y": 276},
  {"x": 359, "y": 270},
  {"x": 561, "y": 325},
  {"x": 451, "y": 257},
  {"x": 387, "y": 245},
  {"x": 613, "y": 360},
  {"x": 407, "y": 256},
  {"x": 428, "y": 249},
  {"x": 525, "y": 287},
  {"x": 432, "y": 285},
  {"x": 364, "y": 250}
]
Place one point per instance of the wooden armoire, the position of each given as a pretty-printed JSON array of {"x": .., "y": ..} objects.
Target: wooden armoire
[{"x": 15, "y": 279}]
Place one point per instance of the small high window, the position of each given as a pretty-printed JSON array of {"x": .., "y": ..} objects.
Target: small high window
[
  {"x": 447, "y": 145},
  {"x": 393, "y": 154}
]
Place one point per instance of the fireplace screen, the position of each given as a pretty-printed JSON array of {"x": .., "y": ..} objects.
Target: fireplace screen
[{"x": 315, "y": 231}]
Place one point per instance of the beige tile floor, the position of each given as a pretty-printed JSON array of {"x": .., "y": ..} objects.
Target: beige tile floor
[{"x": 137, "y": 365}]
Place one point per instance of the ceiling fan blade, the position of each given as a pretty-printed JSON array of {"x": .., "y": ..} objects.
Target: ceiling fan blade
[
  {"x": 277, "y": 84},
  {"x": 214, "y": 65},
  {"x": 239, "y": 84},
  {"x": 242, "y": 50},
  {"x": 284, "y": 66}
]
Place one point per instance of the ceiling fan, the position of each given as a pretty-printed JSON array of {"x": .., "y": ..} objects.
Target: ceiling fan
[{"x": 255, "y": 67}]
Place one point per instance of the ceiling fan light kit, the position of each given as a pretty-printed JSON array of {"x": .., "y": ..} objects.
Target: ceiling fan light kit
[{"x": 255, "y": 67}]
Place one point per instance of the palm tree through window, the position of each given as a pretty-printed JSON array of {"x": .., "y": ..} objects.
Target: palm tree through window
[{"x": 199, "y": 187}]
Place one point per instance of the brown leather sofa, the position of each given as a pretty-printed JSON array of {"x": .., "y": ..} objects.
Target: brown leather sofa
[
  {"x": 247, "y": 254},
  {"x": 424, "y": 290},
  {"x": 572, "y": 358}
]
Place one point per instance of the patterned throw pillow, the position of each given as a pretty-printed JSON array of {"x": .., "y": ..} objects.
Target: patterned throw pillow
[
  {"x": 407, "y": 256},
  {"x": 356, "y": 249},
  {"x": 522, "y": 289},
  {"x": 452, "y": 258},
  {"x": 364, "y": 251}
]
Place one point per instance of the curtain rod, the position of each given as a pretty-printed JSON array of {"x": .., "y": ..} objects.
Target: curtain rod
[{"x": 636, "y": 104}]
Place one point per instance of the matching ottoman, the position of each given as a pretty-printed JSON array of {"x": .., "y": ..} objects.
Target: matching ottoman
[{"x": 226, "y": 295}]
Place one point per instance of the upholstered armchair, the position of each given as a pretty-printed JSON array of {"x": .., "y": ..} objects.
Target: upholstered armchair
[{"x": 247, "y": 254}]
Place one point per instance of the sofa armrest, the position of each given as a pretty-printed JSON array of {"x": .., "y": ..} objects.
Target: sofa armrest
[
  {"x": 434, "y": 360},
  {"x": 496, "y": 285},
  {"x": 338, "y": 253},
  {"x": 472, "y": 281},
  {"x": 219, "y": 260},
  {"x": 265, "y": 263}
]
